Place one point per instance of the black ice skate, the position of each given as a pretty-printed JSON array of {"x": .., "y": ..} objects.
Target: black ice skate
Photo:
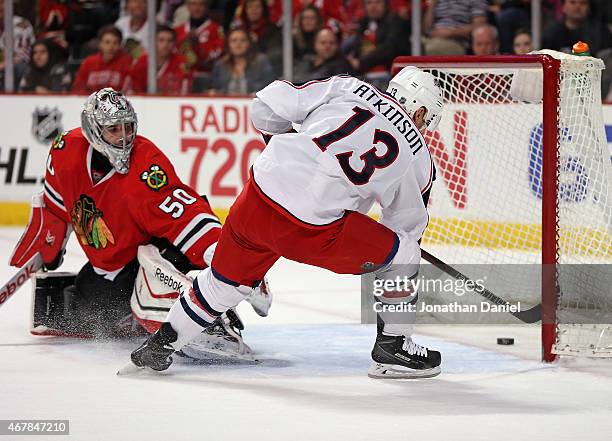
[
  {"x": 399, "y": 357},
  {"x": 156, "y": 351}
]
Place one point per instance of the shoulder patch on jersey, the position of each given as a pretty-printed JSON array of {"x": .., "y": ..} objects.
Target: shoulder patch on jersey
[
  {"x": 89, "y": 225},
  {"x": 59, "y": 142},
  {"x": 155, "y": 178}
]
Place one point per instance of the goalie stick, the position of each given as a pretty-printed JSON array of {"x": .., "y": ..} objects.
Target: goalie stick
[
  {"x": 528, "y": 316},
  {"x": 21, "y": 277}
]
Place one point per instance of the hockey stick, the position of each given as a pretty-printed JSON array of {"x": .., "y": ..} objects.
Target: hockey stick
[
  {"x": 528, "y": 316},
  {"x": 20, "y": 278}
]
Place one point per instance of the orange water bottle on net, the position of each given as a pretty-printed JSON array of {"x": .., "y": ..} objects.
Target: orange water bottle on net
[{"x": 581, "y": 48}]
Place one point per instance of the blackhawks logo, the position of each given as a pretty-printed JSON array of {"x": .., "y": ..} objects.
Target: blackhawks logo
[
  {"x": 59, "y": 142},
  {"x": 89, "y": 225},
  {"x": 155, "y": 177}
]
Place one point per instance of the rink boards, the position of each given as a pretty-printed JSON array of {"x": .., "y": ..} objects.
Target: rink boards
[{"x": 212, "y": 143}]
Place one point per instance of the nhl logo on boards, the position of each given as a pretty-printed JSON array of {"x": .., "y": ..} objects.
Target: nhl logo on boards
[
  {"x": 46, "y": 124},
  {"x": 155, "y": 177}
]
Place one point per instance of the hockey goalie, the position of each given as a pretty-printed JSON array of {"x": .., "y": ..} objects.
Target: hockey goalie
[{"x": 141, "y": 228}]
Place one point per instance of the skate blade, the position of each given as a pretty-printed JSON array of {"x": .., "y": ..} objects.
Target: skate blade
[
  {"x": 207, "y": 353},
  {"x": 132, "y": 369},
  {"x": 211, "y": 345},
  {"x": 394, "y": 372},
  {"x": 129, "y": 369}
]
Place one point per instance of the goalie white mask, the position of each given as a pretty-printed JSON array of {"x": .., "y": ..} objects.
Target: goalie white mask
[
  {"x": 109, "y": 123},
  {"x": 414, "y": 89}
]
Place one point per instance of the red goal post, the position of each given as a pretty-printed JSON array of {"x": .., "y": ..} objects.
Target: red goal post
[{"x": 508, "y": 192}]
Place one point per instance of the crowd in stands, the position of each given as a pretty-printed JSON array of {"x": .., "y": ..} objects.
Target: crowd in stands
[{"x": 235, "y": 47}]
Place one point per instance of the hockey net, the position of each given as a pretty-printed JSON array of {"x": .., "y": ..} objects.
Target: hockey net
[{"x": 524, "y": 177}]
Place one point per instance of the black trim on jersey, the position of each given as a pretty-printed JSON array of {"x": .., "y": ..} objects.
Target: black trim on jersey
[
  {"x": 195, "y": 230},
  {"x": 263, "y": 194},
  {"x": 432, "y": 178},
  {"x": 425, "y": 197},
  {"x": 52, "y": 196},
  {"x": 192, "y": 314}
]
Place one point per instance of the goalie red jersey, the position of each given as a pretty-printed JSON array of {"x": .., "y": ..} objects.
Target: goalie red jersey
[{"x": 112, "y": 217}]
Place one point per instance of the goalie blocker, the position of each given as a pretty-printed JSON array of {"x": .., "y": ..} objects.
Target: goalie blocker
[{"x": 45, "y": 233}]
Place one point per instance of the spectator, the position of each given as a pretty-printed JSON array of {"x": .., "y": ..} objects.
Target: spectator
[
  {"x": 325, "y": 62},
  {"x": 173, "y": 75},
  {"x": 576, "y": 26},
  {"x": 134, "y": 28},
  {"x": 223, "y": 11},
  {"x": 606, "y": 75},
  {"x": 47, "y": 72},
  {"x": 521, "y": 44},
  {"x": 512, "y": 16},
  {"x": 353, "y": 10},
  {"x": 23, "y": 38},
  {"x": 266, "y": 36},
  {"x": 307, "y": 23},
  {"x": 109, "y": 67},
  {"x": 381, "y": 36},
  {"x": 53, "y": 21},
  {"x": 220, "y": 11},
  {"x": 200, "y": 40},
  {"x": 86, "y": 18},
  {"x": 449, "y": 24},
  {"x": 485, "y": 40},
  {"x": 242, "y": 70},
  {"x": 330, "y": 10}
]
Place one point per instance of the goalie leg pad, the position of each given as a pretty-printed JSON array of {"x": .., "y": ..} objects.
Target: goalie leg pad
[
  {"x": 158, "y": 285},
  {"x": 52, "y": 304},
  {"x": 83, "y": 305}
]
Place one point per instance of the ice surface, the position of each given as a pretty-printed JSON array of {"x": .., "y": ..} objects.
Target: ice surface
[{"x": 311, "y": 383}]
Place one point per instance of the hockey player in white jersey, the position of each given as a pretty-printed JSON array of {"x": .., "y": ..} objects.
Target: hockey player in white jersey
[{"x": 307, "y": 200}]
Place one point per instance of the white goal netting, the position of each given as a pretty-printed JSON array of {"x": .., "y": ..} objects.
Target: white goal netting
[{"x": 486, "y": 206}]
